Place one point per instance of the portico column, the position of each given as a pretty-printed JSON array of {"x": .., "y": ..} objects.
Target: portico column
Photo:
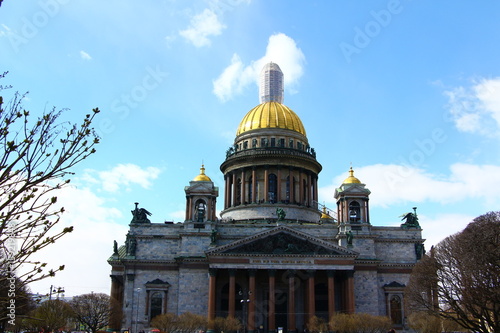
[
  {"x": 292, "y": 327},
  {"x": 272, "y": 301},
  {"x": 279, "y": 198},
  {"x": 235, "y": 192},
  {"x": 251, "y": 303},
  {"x": 243, "y": 187},
  {"x": 211, "y": 300},
  {"x": 232, "y": 292},
  {"x": 331, "y": 293},
  {"x": 228, "y": 191},
  {"x": 311, "y": 300},
  {"x": 309, "y": 190},
  {"x": 350, "y": 292},
  {"x": 301, "y": 189},
  {"x": 254, "y": 181},
  {"x": 292, "y": 187},
  {"x": 266, "y": 184}
]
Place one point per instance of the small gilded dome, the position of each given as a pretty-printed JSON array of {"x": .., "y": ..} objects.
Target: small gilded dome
[
  {"x": 351, "y": 179},
  {"x": 271, "y": 115},
  {"x": 324, "y": 214},
  {"x": 202, "y": 177}
]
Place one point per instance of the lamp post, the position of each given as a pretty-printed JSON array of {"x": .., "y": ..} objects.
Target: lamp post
[
  {"x": 55, "y": 290},
  {"x": 137, "y": 290},
  {"x": 245, "y": 299}
]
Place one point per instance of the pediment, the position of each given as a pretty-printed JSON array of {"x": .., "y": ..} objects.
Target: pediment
[{"x": 281, "y": 241}]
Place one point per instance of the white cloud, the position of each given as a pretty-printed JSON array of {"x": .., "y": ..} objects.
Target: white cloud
[
  {"x": 443, "y": 225},
  {"x": 281, "y": 49},
  {"x": 85, "y": 250},
  {"x": 476, "y": 109},
  {"x": 203, "y": 26},
  {"x": 389, "y": 184},
  {"x": 123, "y": 175},
  {"x": 85, "y": 56}
]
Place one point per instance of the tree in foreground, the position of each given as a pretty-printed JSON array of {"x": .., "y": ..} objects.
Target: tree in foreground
[
  {"x": 51, "y": 315},
  {"x": 184, "y": 323},
  {"x": 36, "y": 159},
  {"x": 359, "y": 323},
  {"x": 92, "y": 310},
  {"x": 227, "y": 324},
  {"x": 460, "y": 279}
]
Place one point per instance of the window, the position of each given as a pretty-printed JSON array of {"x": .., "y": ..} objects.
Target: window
[
  {"x": 245, "y": 144},
  {"x": 273, "y": 142},
  {"x": 250, "y": 188},
  {"x": 290, "y": 143},
  {"x": 354, "y": 211},
  {"x": 254, "y": 143},
  {"x": 156, "y": 304},
  {"x": 396, "y": 312},
  {"x": 273, "y": 188},
  {"x": 200, "y": 212}
]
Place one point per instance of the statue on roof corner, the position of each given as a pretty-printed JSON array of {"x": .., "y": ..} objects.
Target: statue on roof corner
[
  {"x": 140, "y": 215},
  {"x": 411, "y": 219}
]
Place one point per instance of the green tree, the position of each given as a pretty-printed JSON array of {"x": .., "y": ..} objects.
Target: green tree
[
  {"x": 37, "y": 156},
  {"x": 460, "y": 279},
  {"x": 92, "y": 310},
  {"x": 51, "y": 315}
]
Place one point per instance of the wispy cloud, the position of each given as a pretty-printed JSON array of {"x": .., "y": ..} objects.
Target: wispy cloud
[
  {"x": 476, "y": 109},
  {"x": 85, "y": 56},
  {"x": 202, "y": 26},
  {"x": 122, "y": 176},
  {"x": 281, "y": 49}
]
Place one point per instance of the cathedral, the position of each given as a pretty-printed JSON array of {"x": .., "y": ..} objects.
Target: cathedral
[{"x": 275, "y": 257}]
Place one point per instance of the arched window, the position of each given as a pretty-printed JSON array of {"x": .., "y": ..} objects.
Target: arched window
[
  {"x": 200, "y": 212},
  {"x": 156, "y": 304},
  {"x": 273, "y": 188},
  {"x": 396, "y": 311},
  {"x": 354, "y": 211}
]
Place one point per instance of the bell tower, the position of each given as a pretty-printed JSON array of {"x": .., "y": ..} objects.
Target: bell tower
[
  {"x": 352, "y": 202},
  {"x": 201, "y": 200}
]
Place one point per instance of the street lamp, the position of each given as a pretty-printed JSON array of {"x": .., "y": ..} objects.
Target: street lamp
[
  {"x": 55, "y": 290},
  {"x": 244, "y": 301},
  {"x": 137, "y": 290}
]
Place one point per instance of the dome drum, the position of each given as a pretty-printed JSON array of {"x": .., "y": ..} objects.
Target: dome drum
[
  {"x": 271, "y": 157},
  {"x": 267, "y": 212}
]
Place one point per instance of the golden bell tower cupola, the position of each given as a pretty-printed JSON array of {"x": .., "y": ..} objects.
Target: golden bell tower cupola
[
  {"x": 201, "y": 200},
  {"x": 352, "y": 201}
]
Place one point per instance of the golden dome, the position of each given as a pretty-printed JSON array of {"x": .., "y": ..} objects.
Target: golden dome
[
  {"x": 202, "y": 177},
  {"x": 324, "y": 214},
  {"x": 351, "y": 179},
  {"x": 271, "y": 115}
]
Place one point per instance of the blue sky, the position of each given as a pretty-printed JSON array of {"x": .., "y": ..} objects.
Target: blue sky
[{"x": 408, "y": 92}]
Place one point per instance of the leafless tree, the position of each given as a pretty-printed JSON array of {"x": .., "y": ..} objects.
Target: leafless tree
[
  {"x": 51, "y": 315},
  {"x": 460, "y": 279},
  {"x": 227, "y": 324},
  {"x": 92, "y": 310},
  {"x": 36, "y": 161},
  {"x": 184, "y": 323}
]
